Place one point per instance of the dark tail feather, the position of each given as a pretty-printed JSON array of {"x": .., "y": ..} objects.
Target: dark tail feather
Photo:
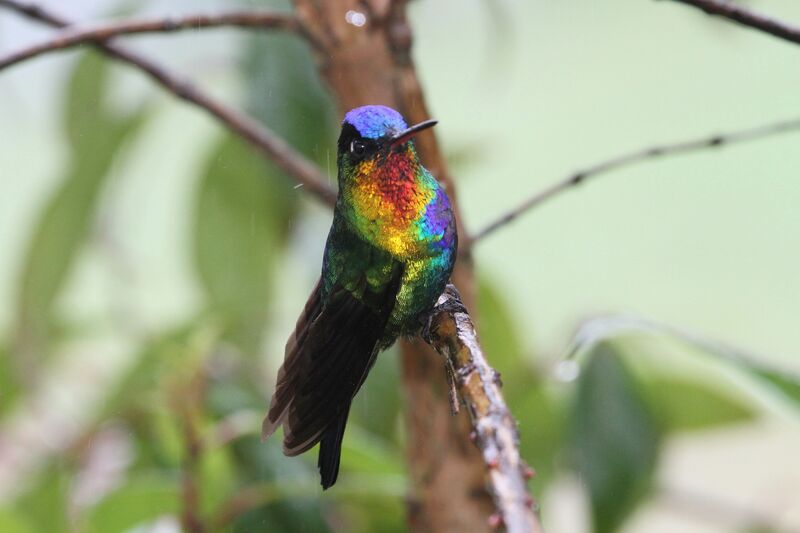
[
  {"x": 330, "y": 451},
  {"x": 326, "y": 361}
]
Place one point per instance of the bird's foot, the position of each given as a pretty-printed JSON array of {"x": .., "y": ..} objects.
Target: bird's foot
[
  {"x": 452, "y": 387},
  {"x": 449, "y": 302},
  {"x": 449, "y": 306}
]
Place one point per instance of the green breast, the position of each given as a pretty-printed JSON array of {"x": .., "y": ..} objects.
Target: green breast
[
  {"x": 366, "y": 271},
  {"x": 352, "y": 263}
]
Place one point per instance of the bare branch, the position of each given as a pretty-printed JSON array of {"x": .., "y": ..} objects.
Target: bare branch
[
  {"x": 746, "y": 17},
  {"x": 631, "y": 158},
  {"x": 102, "y": 32},
  {"x": 265, "y": 140},
  {"x": 452, "y": 334}
]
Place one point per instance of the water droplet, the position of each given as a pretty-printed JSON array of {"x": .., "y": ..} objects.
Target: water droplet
[
  {"x": 356, "y": 18},
  {"x": 567, "y": 371}
]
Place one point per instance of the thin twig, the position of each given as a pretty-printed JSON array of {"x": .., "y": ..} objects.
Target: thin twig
[
  {"x": 452, "y": 334},
  {"x": 630, "y": 159},
  {"x": 190, "y": 486},
  {"x": 102, "y": 32},
  {"x": 746, "y": 17},
  {"x": 186, "y": 401},
  {"x": 269, "y": 143}
]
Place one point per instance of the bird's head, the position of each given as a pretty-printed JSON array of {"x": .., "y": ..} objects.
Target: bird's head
[{"x": 373, "y": 132}]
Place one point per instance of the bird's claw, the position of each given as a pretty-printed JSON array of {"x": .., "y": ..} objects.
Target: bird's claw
[{"x": 452, "y": 304}]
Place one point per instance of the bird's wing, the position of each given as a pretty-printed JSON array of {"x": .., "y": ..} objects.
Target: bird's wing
[{"x": 326, "y": 361}]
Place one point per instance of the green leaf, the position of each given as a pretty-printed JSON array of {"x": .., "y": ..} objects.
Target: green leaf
[
  {"x": 615, "y": 439},
  {"x": 13, "y": 522},
  {"x": 366, "y": 453},
  {"x": 371, "y": 512},
  {"x": 217, "y": 478},
  {"x": 166, "y": 438},
  {"x": 96, "y": 134},
  {"x": 294, "y": 104},
  {"x": 45, "y": 504},
  {"x": 786, "y": 383},
  {"x": 10, "y": 385},
  {"x": 264, "y": 463},
  {"x": 684, "y": 405},
  {"x": 141, "y": 499},
  {"x": 85, "y": 112},
  {"x": 239, "y": 224}
]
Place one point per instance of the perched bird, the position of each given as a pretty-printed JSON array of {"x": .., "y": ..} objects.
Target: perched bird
[{"x": 389, "y": 254}]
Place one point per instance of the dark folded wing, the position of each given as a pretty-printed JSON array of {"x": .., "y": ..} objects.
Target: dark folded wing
[{"x": 326, "y": 361}]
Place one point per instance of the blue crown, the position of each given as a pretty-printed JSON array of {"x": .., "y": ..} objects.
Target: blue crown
[{"x": 375, "y": 121}]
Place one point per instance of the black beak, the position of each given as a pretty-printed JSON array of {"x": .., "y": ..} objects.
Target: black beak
[{"x": 406, "y": 134}]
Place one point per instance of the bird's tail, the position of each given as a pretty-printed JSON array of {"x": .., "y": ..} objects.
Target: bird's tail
[
  {"x": 330, "y": 450},
  {"x": 327, "y": 359}
]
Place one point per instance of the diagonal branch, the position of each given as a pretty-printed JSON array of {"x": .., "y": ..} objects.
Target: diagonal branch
[
  {"x": 102, "y": 32},
  {"x": 631, "y": 158},
  {"x": 265, "y": 140},
  {"x": 748, "y": 18},
  {"x": 452, "y": 334}
]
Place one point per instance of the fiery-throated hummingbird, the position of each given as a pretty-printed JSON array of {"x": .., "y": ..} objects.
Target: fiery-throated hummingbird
[{"x": 389, "y": 254}]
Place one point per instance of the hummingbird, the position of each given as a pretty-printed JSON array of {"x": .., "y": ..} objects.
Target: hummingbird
[{"x": 389, "y": 254}]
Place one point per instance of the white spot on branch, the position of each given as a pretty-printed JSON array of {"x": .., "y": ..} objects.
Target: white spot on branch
[{"x": 356, "y": 18}]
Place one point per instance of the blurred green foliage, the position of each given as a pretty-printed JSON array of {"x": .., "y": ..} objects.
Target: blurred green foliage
[
  {"x": 45, "y": 505},
  {"x": 95, "y": 134},
  {"x": 141, "y": 499},
  {"x": 12, "y": 521},
  {"x": 681, "y": 405},
  {"x": 191, "y": 400},
  {"x": 614, "y": 438},
  {"x": 240, "y": 226},
  {"x": 10, "y": 385}
]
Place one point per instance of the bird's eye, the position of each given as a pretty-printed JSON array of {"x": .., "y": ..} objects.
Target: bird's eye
[{"x": 358, "y": 148}]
